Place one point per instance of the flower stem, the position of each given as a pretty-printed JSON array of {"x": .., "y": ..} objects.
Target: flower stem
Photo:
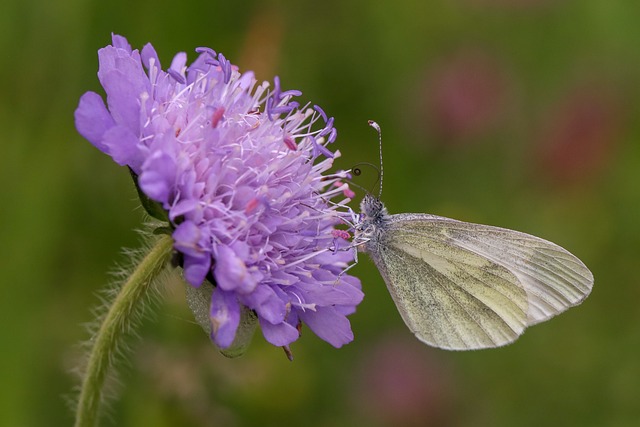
[{"x": 115, "y": 324}]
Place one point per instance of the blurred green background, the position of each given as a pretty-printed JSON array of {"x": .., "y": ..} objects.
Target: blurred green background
[{"x": 519, "y": 113}]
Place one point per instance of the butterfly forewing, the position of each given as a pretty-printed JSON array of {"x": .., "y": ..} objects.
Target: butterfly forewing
[
  {"x": 466, "y": 286},
  {"x": 553, "y": 278}
]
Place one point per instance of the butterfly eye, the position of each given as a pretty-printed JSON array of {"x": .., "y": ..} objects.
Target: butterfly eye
[{"x": 357, "y": 171}]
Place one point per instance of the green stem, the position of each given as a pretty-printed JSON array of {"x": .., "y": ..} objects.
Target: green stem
[{"x": 112, "y": 330}]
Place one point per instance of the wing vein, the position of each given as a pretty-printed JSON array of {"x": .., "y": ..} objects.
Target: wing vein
[{"x": 446, "y": 283}]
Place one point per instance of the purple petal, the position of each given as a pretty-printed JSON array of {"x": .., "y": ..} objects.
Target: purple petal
[
  {"x": 242, "y": 196},
  {"x": 280, "y": 334},
  {"x": 93, "y": 119},
  {"x": 327, "y": 295},
  {"x": 329, "y": 325},
  {"x": 198, "y": 66},
  {"x": 158, "y": 176},
  {"x": 178, "y": 63},
  {"x": 186, "y": 238},
  {"x": 267, "y": 304},
  {"x": 196, "y": 268},
  {"x": 282, "y": 278},
  {"x": 231, "y": 272},
  {"x": 330, "y": 258},
  {"x": 148, "y": 53},
  {"x": 111, "y": 58},
  {"x": 124, "y": 80},
  {"x": 122, "y": 146},
  {"x": 183, "y": 207},
  {"x": 123, "y": 98},
  {"x": 120, "y": 42},
  {"x": 345, "y": 310},
  {"x": 225, "y": 317},
  {"x": 246, "y": 81}
]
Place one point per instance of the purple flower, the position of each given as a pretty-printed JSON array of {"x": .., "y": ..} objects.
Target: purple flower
[{"x": 238, "y": 170}]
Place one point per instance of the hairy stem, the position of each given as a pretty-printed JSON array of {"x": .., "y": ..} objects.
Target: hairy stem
[{"x": 116, "y": 322}]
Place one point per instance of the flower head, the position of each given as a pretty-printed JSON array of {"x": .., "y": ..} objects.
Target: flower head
[{"x": 238, "y": 171}]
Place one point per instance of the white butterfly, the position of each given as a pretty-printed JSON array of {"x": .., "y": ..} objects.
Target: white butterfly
[{"x": 463, "y": 286}]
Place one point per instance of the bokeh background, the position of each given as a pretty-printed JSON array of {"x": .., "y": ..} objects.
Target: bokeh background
[{"x": 519, "y": 113}]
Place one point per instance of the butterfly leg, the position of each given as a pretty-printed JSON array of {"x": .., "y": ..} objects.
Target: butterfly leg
[{"x": 354, "y": 247}]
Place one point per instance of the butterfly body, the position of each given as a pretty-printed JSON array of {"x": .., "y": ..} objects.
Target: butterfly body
[{"x": 463, "y": 286}]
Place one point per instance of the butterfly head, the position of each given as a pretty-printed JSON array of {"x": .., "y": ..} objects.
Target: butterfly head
[
  {"x": 372, "y": 208},
  {"x": 372, "y": 213}
]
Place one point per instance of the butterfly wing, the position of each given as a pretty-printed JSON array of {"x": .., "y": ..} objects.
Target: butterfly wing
[{"x": 463, "y": 286}]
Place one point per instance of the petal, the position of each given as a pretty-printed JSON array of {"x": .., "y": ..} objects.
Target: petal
[
  {"x": 122, "y": 146},
  {"x": 158, "y": 176},
  {"x": 198, "y": 66},
  {"x": 241, "y": 197},
  {"x": 124, "y": 96},
  {"x": 148, "y": 53},
  {"x": 93, "y": 119},
  {"x": 345, "y": 310},
  {"x": 196, "y": 269},
  {"x": 267, "y": 304},
  {"x": 231, "y": 272},
  {"x": 225, "y": 317},
  {"x": 280, "y": 334},
  {"x": 327, "y": 295},
  {"x": 332, "y": 258},
  {"x": 110, "y": 59},
  {"x": 329, "y": 325},
  {"x": 187, "y": 238},
  {"x": 178, "y": 62},
  {"x": 352, "y": 281},
  {"x": 120, "y": 42},
  {"x": 121, "y": 74},
  {"x": 280, "y": 277},
  {"x": 183, "y": 207},
  {"x": 246, "y": 81}
]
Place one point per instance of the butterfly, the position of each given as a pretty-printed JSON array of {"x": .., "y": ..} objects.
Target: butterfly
[{"x": 464, "y": 286}]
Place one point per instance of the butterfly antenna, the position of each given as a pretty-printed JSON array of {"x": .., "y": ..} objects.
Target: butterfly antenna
[
  {"x": 377, "y": 128},
  {"x": 357, "y": 172}
]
